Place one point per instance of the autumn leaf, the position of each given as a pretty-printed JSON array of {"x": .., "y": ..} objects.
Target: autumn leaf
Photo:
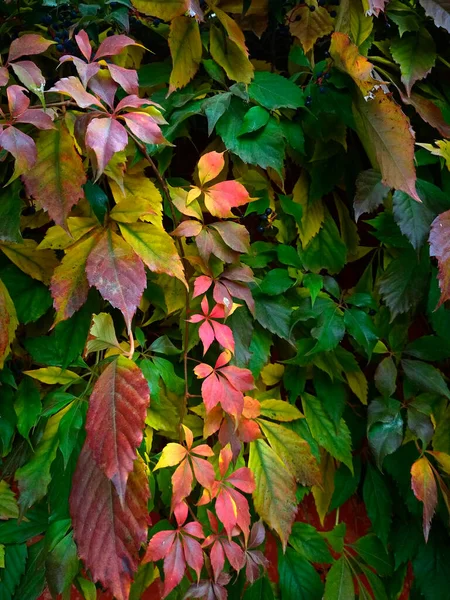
[
  {"x": 163, "y": 9},
  {"x": 440, "y": 248},
  {"x": 38, "y": 264},
  {"x": 230, "y": 56},
  {"x": 56, "y": 180},
  {"x": 424, "y": 487},
  {"x": 416, "y": 55},
  {"x": 8, "y": 322},
  {"x": 309, "y": 25},
  {"x": 115, "y": 420},
  {"x": 222, "y": 547},
  {"x": 210, "y": 329},
  {"x": 186, "y": 49},
  {"x": 429, "y": 111},
  {"x": 27, "y": 45},
  {"x": 118, "y": 273},
  {"x": 348, "y": 59},
  {"x": 109, "y": 535}
]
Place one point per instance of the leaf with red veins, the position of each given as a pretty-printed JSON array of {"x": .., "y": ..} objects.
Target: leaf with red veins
[
  {"x": 115, "y": 420},
  {"x": 82, "y": 40},
  {"x": 188, "y": 229},
  {"x": 143, "y": 126},
  {"x": 126, "y": 78},
  {"x": 105, "y": 137},
  {"x": 36, "y": 117},
  {"x": 21, "y": 146},
  {"x": 108, "y": 534},
  {"x": 234, "y": 235},
  {"x": 114, "y": 45},
  {"x": 72, "y": 86},
  {"x": 222, "y": 197},
  {"x": 210, "y": 166},
  {"x": 27, "y": 45},
  {"x": 118, "y": 273},
  {"x": 30, "y": 75},
  {"x": 424, "y": 486},
  {"x": 18, "y": 102}
]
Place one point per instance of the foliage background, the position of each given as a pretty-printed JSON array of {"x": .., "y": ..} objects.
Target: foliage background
[{"x": 331, "y": 236}]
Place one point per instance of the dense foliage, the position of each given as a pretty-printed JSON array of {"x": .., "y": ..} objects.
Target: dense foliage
[{"x": 224, "y": 275}]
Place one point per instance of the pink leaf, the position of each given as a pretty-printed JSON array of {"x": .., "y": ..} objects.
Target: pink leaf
[
  {"x": 243, "y": 479},
  {"x": 217, "y": 557},
  {"x": 36, "y": 117},
  {"x": 114, "y": 45},
  {"x": 201, "y": 284},
  {"x": 135, "y": 102},
  {"x": 28, "y": 44},
  {"x": 4, "y": 76},
  {"x": 206, "y": 335},
  {"x": 18, "y": 102},
  {"x": 234, "y": 235},
  {"x": 159, "y": 547},
  {"x": 85, "y": 70},
  {"x": 104, "y": 86},
  {"x": 105, "y": 137},
  {"x": 182, "y": 481},
  {"x": 174, "y": 567},
  {"x": 188, "y": 229},
  {"x": 21, "y": 146},
  {"x": 82, "y": 40},
  {"x": 126, "y": 78},
  {"x": 71, "y": 86},
  {"x": 203, "y": 471},
  {"x": 118, "y": 274},
  {"x": 210, "y": 166},
  {"x": 223, "y": 335},
  {"x": 222, "y": 197},
  {"x": 144, "y": 127},
  {"x": 194, "y": 528},
  {"x": 193, "y": 553},
  {"x": 29, "y": 74}
]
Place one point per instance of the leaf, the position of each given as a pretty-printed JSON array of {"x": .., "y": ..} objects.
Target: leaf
[
  {"x": 274, "y": 91},
  {"x": 62, "y": 565},
  {"x": 69, "y": 285},
  {"x": 429, "y": 112},
  {"x": 388, "y": 139},
  {"x": 386, "y": 377},
  {"x": 280, "y": 410},
  {"x": 56, "y": 180},
  {"x": 385, "y": 432},
  {"x": 8, "y": 323},
  {"x": 274, "y": 315},
  {"x": 308, "y": 542},
  {"x": 293, "y": 451},
  {"x": 115, "y": 420},
  {"x": 10, "y": 208},
  {"x": 439, "y": 11},
  {"x": 155, "y": 247},
  {"x": 326, "y": 250},
  {"x": 323, "y": 493},
  {"x": 377, "y": 498},
  {"x": 416, "y": 55},
  {"x": 27, "y": 406},
  {"x": 311, "y": 25},
  {"x": 337, "y": 440},
  {"x": 230, "y": 56},
  {"x": 440, "y": 248},
  {"x": 118, "y": 274},
  {"x": 28, "y": 44},
  {"x": 298, "y": 578},
  {"x": 370, "y": 192},
  {"x": 425, "y": 377},
  {"x": 109, "y": 535},
  {"x": 8, "y": 502},
  {"x": 163, "y": 9},
  {"x": 214, "y": 108},
  {"x": 414, "y": 219},
  {"x": 52, "y": 375},
  {"x": 360, "y": 326},
  {"x": 30, "y": 297},
  {"x": 15, "y": 565},
  {"x": 34, "y": 477},
  {"x": 103, "y": 333},
  {"x": 329, "y": 331},
  {"x": 223, "y": 196},
  {"x": 254, "y": 119},
  {"x": 274, "y": 496},
  {"x": 39, "y": 264},
  {"x": 186, "y": 49},
  {"x": 339, "y": 582}
]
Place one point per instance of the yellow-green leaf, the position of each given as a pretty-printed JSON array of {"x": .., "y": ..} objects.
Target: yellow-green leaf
[
  {"x": 186, "y": 49},
  {"x": 324, "y": 493},
  {"x": 272, "y": 373},
  {"x": 52, "y": 375},
  {"x": 8, "y": 502},
  {"x": 103, "y": 332},
  {"x": 39, "y": 264},
  {"x": 230, "y": 57},
  {"x": 163, "y": 9},
  {"x": 313, "y": 214},
  {"x": 280, "y": 410},
  {"x": 8, "y": 322}
]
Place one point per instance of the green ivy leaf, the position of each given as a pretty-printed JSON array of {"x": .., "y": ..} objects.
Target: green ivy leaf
[
  {"x": 298, "y": 579},
  {"x": 339, "y": 583}
]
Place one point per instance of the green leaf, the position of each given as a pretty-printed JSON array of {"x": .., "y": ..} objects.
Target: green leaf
[
  {"x": 69, "y": 428},
  {"x": 27, "y": 406},
  {"x": 307, "y": 541},
  {"x": 298, "y": 579},
  {"x": 371, "y": 550},
  {"x": 31, "y": 298},
  {"x": 377, "y": 498},
  {"x": 370, "y": 192},
  {"x": 413, "y": 218},
  {"x": 425, "y": 377},
  {"x": 386, "y": 377},
  {"x": 10, "y": 208},
  {"x": 277, "y": 281},
  {"x": 280, "y": 410},
  {"x": 339, "y": 583},
  {"x": 15, "y": 564},
  {"x": 215, "y": 107},
  {"x": 416, "y": 55},
  {"x": 385, "y": 425},
  {"x": 274, "y": 91},
  {"x": 336, "y": 440},
  {"x": 360, "y": 326},
  {"x": 97, "y": 199},
  {"x": 273, "y": 314},
  {"x": 329, "y": 331},
  {"x": 260, "y": 590},
  {"x": 264, "y": 147},
  {"x": 326, "y": 250},
  {"x": 255, "y": 118},
  {"x": 345, "y": 484},
  {"x": 61, "y": 565},
  {"x": 431, "y": 568},
  {"x": 8, "y": 502}
]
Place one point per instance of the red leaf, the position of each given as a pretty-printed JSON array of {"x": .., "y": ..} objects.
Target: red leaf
[
  {"x": 82, "y": 39},
  {"x": 202, "y": 283},
  {"x": 28, "y": 44},
  {"x": 242, "y": 479},
  {"x": 160, "y": 545},
  {"x": 424, "y": 487},
  {"x": 222, "y": 197},
  {"x": 126, "y": 78},
  {"x": 105, "y": 137},
  {"x": 118, "y": 274},
  {"x": 18, "y": 102},
  {"x": 193, "y": 554},
  {"x": 116, "y": 419},
  {"x": 109, "y": 535},
  {"x": 429, "y": 112},
  {"x": 440, "y": 248},
  {"x": 174, "y": 567},
  {"x": 182, "y": 481},
  {"x": 203, "y": 471},
  {"x": 114, "y": 45},
  {"x": 4, "y": 76},
  {"x": 71, "y": 86},
  {"x": 143, "y": 126},
  {"x": 36, "y": 117},
  {"x": 85, "y": 70}
]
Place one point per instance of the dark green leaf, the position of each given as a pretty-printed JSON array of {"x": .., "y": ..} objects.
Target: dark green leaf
[
  {"x": 97, "y": 199},
  {"x": 425, "y": 377},
  {"x": 214, "y": 108},
  {"x": 377, "y": 498},
  {"x": 274, "y": 91},
  {"x": 386, "y": 377},
  {"x": 413, "y": 218},
  {"x": 27, "y": 406},
  {"x": 273, "y": 314},
  {"x": 10, "y": 207},
  {"x": 298, "y": 579}
]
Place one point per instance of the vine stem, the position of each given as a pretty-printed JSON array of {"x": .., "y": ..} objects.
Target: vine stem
[{"x": 165, "y": 189}]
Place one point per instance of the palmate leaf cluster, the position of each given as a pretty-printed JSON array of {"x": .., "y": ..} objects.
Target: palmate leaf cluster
[{"x": 224, "y": 286}]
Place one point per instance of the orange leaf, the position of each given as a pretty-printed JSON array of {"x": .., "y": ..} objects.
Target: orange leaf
[
  {"x": 209, "y": 166},
  {"x": 222, "y": 197},
  {"x": 116, "y": 419},
  {"x": 424, "y": 487},
  {"x": 109, "y": 535},
  {"x": 347, "y": 58},
  {"x": 311, "y": 25}
]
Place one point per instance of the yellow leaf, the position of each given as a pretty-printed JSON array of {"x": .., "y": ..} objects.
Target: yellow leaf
[
  {"x": 358, "y": 384},
  {"x": 230, "y": 57},
  {"x": 163, "y": 9},
  {"x": 137, "y": 197},
  {"x": 280, "y": 410},
  {"x": 233, "y": 30},
  {"x": 311, "y": 26},
  {"x": 39, "y": 264},
  {"x": 8, "y": 322},
  {"x": 323, "y": 494},
  {"x": 186, "y": 49},
  {"x": 443, "y": 149},
  {"x": 353, "y": 20},
  {"x": 313, "y": 214},
  {"x": 57, "y": 238},
  {"x": 347, "y": 58},
  {"x": 103, "y": 332},
  {"x": 272, "y": 374},
  {"x": 52, "y": 375}
]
